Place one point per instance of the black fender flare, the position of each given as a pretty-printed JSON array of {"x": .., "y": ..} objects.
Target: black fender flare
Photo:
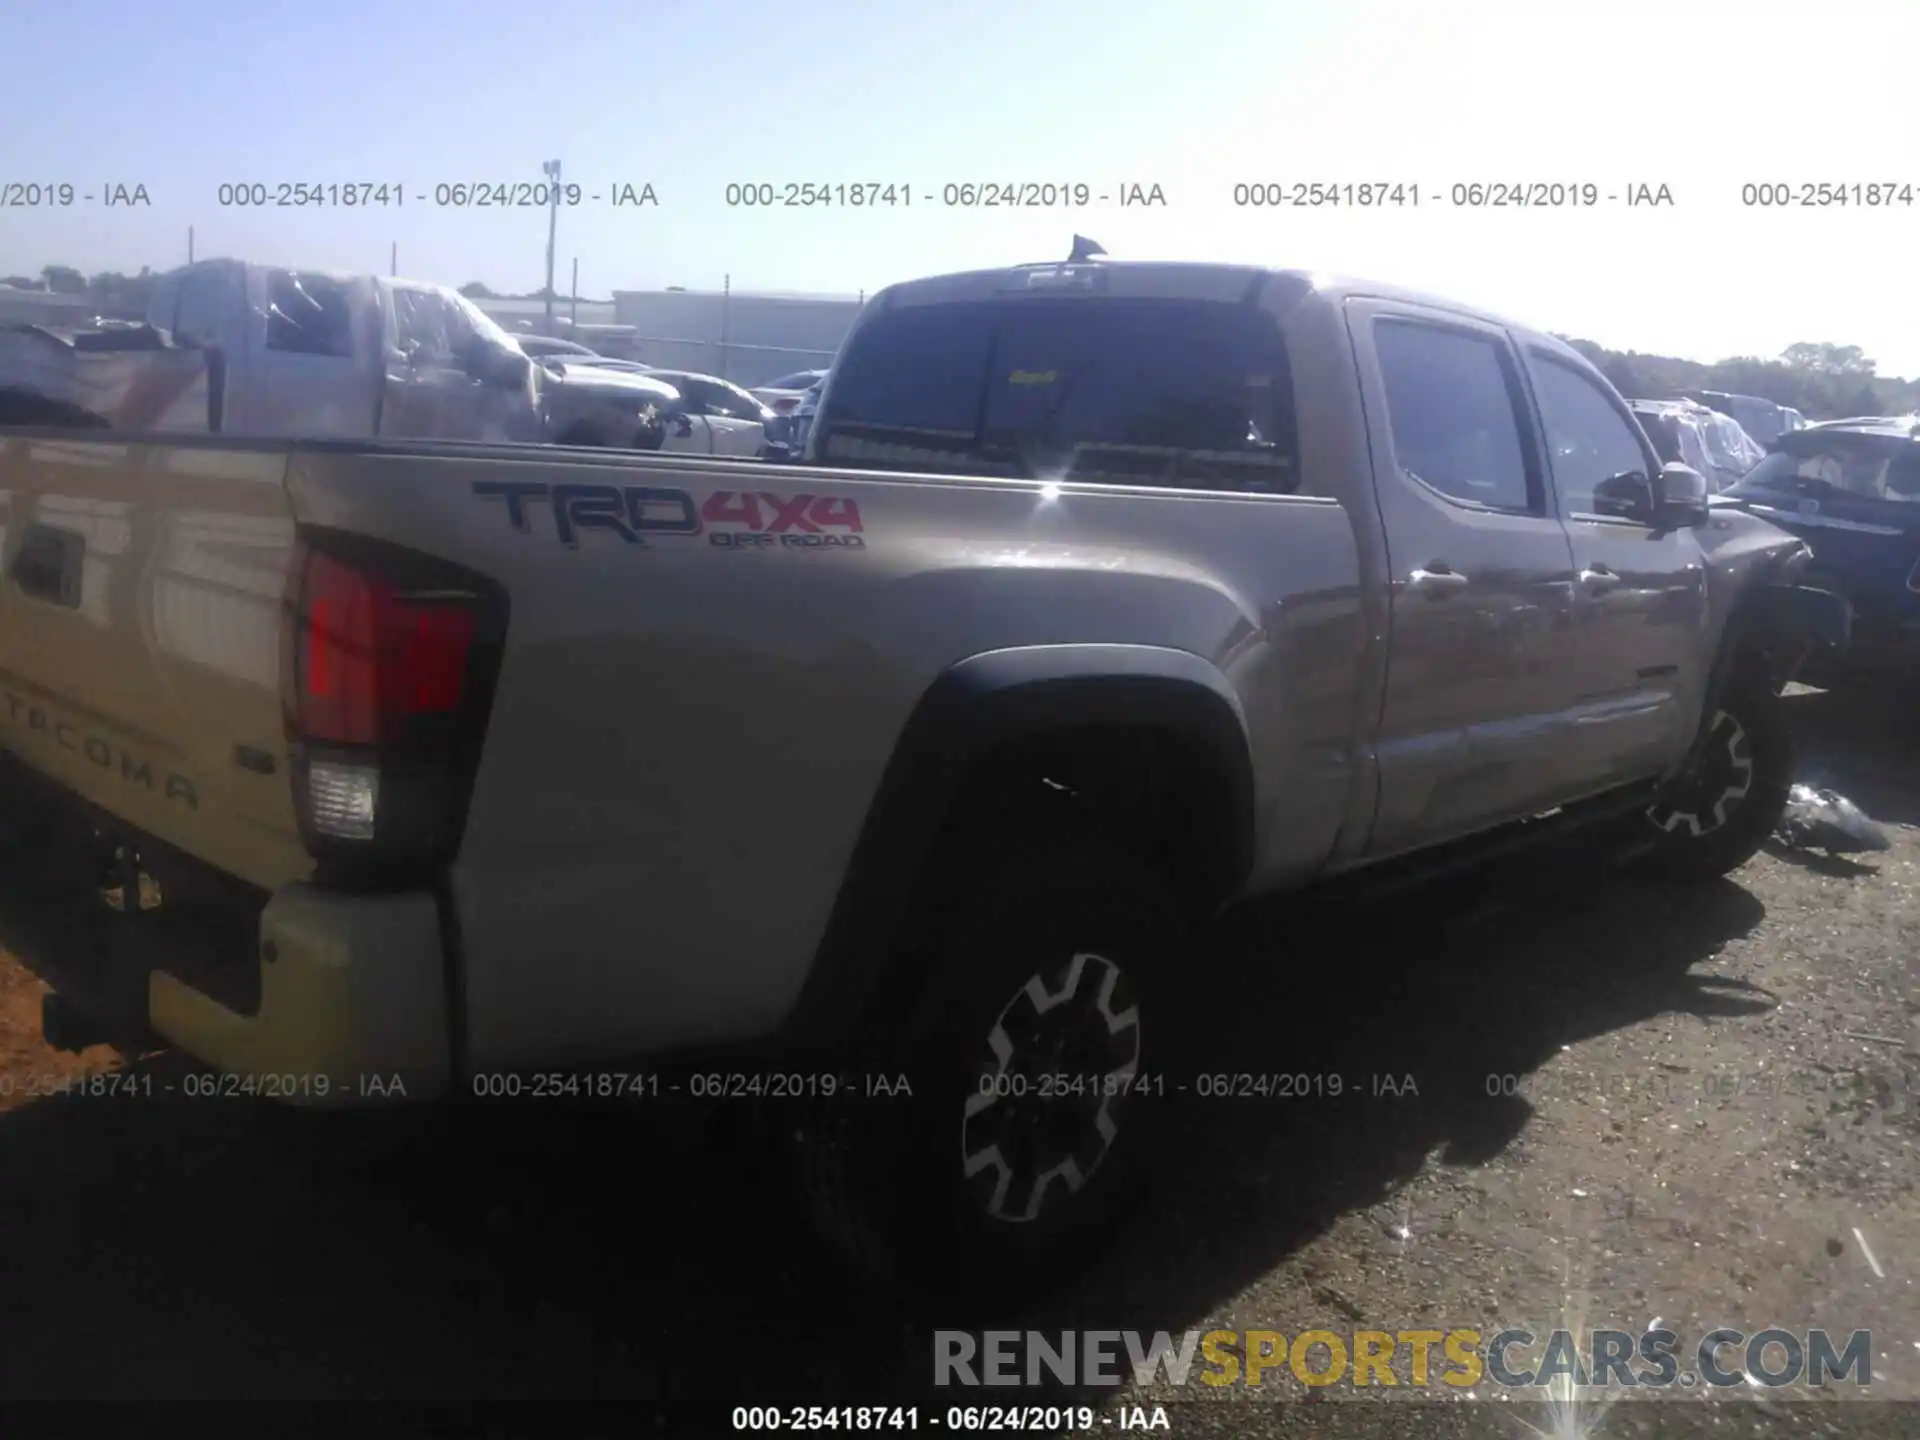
[
  {"x": 974, "y": 707},
  {"x": 1783, "y": 622}
]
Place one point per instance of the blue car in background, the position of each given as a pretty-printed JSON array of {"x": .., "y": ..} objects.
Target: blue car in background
[{"x": 1851, "y": 490}]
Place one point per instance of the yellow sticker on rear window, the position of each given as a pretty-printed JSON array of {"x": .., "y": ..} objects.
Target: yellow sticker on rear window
[{"x": 1033, "y": 377}]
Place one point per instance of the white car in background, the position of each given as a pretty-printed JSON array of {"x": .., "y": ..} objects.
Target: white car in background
[
  {"x": 737, "y": 420},
  {"x": 544, "y": 348},
  {"x": 783, "y": 396}
]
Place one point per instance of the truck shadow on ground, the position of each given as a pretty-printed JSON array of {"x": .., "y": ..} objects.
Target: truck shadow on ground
[{"x": 159, "y": 1246}]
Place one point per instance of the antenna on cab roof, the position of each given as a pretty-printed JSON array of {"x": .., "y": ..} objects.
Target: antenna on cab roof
[{"x": 1085, "y": 249}]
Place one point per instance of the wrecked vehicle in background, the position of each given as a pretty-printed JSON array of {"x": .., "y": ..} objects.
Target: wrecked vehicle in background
[
  {"x": 1761, "y": 418},
  {"x": 235, "y": 348},
  {"x": 1851, "y": 490},
  {"x": 1691, "y": 434},
  {"x": 115, "y": 379}
]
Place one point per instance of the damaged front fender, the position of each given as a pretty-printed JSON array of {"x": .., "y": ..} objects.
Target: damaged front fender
[
  {"x": 1777, "y": 625},
  {"x": 1792, "y": 612}
]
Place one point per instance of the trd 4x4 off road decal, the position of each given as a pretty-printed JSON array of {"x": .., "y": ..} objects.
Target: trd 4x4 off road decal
[{"x": 730, "y": 519}]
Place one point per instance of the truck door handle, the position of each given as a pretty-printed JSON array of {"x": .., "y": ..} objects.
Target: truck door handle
[
  {"x": 48, "y": 565},
  {"x": 1439, "y": 580},
  {"x": 1598, "y": 578}
]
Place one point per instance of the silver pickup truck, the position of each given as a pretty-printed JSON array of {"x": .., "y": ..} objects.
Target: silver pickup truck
[
  {"x": 1106, "y": 595},
  {"x": 236, "y": 348}
]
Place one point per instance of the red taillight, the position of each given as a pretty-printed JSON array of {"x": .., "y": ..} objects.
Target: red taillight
[
  {"x": 369, "y": 658},
  {"x": 785, "y": 407},
  {"x": 388, "y": 660}
]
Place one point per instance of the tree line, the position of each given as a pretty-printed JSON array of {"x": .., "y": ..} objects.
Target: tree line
[{"x": 1821, "y": 381}]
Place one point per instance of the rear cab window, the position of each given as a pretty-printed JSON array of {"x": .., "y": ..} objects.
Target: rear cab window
[{"x": 1119, "y": 390}]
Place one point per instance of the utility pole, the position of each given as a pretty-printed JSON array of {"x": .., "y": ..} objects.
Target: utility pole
[
  {"x": 726, "y": 304},
  {"x": 393, "y": 260},
  {"x": 551, "y": 169},
  {"x": 189, "y": 244},
  {"x": 573, "y": 315}
]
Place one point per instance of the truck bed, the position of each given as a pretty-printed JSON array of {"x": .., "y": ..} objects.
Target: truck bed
[
  {"x": 124, "y": 380},
  {"x": 707, "y": 667}
]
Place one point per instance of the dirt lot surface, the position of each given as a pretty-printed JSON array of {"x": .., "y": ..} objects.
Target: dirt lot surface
[{"x": 1617, "y": 1104}]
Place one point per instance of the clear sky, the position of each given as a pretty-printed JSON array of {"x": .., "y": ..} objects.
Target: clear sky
[{"x": 1197, "y": 96}]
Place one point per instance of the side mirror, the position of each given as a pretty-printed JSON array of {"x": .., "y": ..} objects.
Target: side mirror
[
  {"x": 1680, "y": 497},
  {"x": 1674, "y": 499},
  {"x": 1626, "y": 496}
]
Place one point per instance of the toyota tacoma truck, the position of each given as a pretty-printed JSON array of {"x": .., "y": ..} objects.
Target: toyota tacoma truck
[{"x": 1106, "y": 595}]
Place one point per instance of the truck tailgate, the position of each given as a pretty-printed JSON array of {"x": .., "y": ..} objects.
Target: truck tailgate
[{"x": 139, "y": 638}]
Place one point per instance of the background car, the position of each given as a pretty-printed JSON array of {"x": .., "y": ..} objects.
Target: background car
[
  {"x": 1696, "y": 436},
  {"x": 783, "y": 396},
  {"x": 1851, "y": 490},
  {"x": 1674, "y": 432},
  {"x": 546, "y": 347},
  {"x": 1760, "y": 418},
  {"x": 602, "y": 362},
  {"x": 737, "y": 418},
  {"x": 803, "y": 414}
]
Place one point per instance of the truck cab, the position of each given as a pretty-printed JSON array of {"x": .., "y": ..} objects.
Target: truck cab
[{"x": 325, "y": 354}]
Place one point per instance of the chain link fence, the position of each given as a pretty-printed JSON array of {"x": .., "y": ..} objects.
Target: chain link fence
[{"x": 743, "y": 364}]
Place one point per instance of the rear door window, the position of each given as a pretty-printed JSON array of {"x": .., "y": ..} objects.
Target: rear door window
[
  {"x": 1452, "y": 411},
  {"x": 708, "y": 397},
  {"x": 1120, "y": 390},
  {"x": 734, "y": 403}
]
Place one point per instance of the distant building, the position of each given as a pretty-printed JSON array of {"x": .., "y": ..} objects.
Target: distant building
[
  {"x": 743, "y": 337},
  {"x": 530, "y": 315}
]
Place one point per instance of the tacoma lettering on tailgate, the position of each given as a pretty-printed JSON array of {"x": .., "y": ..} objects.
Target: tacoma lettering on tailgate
[
  {"x": 37, "y": 721},
  {"x": 730, "y": 519}
]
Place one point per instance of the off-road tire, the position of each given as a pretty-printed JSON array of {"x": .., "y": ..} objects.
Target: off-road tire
[
  {"x": 887, "y": 1177},
  {"x": 1717, "y": 817}
]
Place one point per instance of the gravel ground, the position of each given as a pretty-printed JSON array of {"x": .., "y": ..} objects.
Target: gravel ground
[{"x": 1618, "y": 1103}]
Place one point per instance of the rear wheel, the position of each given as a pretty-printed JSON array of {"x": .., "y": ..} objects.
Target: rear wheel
[
  {"x": 1717, "y": 816},
  {"x": 1037, "y": 1053}
]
